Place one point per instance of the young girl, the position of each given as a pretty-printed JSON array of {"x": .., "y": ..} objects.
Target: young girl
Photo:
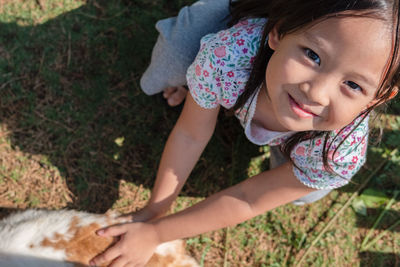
[{"x": 302, "y": 75}]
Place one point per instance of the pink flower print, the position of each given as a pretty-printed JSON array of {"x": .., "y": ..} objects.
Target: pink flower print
[
  {"x": 353, "y": 142},
  {"x": 311, "y": 180},
  {"x": 230, "y": 74},
  {"x": 318, "y": 142},
  {"x": 363, "y": 150},
  {"x": 252, "y": 60},
  {"x": 198, "y": 70},
  {"x": 228, "y": 84},
  {"x": 236, "y": 34},
  {"x": 245, "y": 50},
  {"x": 351, "y": 167},
  {"x": 220, "y": 51},
  {"x": 224, "y": 39},
  {"x": 249, "y": 31},
  {"x": 222, "y": 63},
  {"x": 211, "y": 66},
  {"x": 243, "y": 22},
  {"x": 217, "y": 79},
  {"x": 314, "y": 170},
  {"x": 344, "y": 172},
  {"x": 355, "y": 159},
  {"x": 207, "y": 89},
  {"x": 234, "y": 94},
  {"x": 240, "y": 42},
  {"x": 300, "y": 151},
  {"x": 219, "y": 84},
  {"x": 205, "y": 73}
]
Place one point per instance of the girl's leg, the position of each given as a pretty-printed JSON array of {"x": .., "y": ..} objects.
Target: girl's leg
[
  {"x": 277, "y": 158},
  {"x": 178, "y": 44}
]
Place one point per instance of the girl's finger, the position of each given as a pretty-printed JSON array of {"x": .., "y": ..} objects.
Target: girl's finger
[
  {"x": 118, "y": 262},
  {"x": 107, "y": 256},
  {"x": 115, "y": 230},
  {"x": 129, "y": 264}
]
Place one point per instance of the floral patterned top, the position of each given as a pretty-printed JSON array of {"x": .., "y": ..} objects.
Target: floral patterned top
[{"x": 218, "y": 77}]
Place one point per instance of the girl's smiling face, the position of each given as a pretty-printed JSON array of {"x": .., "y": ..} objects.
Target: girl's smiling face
[{"x": 322, "y": 77}]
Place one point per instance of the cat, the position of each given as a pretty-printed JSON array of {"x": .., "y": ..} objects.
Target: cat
[{"x": 67, "y": 238}]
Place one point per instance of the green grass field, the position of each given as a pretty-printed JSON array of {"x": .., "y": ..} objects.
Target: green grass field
[{"x": 76, "y": 131}]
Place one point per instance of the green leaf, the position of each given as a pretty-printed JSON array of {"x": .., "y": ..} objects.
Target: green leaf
[
  {"x": 119, "y": 141},
  {"x": 359, "y": 206},
  {"x": 373, "y": 198}
]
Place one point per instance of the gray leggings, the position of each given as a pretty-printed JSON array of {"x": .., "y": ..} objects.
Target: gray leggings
[{"x": 176, "y": 47}]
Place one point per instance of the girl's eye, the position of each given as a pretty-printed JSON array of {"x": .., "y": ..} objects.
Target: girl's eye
[
  {"x": 313, "y": 56},
  {"x": 353, "y": 85}
]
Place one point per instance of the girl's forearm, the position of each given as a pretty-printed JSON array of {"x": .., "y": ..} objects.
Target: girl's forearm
[
  {"x": 233, "y": 205},
  {"x": 217, "y": 211},
  {"x": 180, "y": 154},
  {"x": 185, "y": 144}
]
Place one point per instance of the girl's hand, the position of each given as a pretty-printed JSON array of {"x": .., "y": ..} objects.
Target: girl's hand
[{"x": 135, "y": 247}]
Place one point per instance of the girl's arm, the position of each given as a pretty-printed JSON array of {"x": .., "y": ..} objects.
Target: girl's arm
[
  {"x": 184, "y": 146},
  {"x": 236, "y": 204}
]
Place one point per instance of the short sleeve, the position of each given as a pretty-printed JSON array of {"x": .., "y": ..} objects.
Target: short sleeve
[
  {"x": 345, "y": 162},
  {"x": 222, "y": 67}
]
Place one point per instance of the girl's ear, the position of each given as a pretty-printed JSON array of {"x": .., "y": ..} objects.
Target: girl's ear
[{"x": 273, "y": 38}]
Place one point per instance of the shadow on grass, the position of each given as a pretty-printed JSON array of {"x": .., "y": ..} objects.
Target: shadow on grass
[
  {"x": 69, "y": 91},
  {"x": 379, "y": 259}
]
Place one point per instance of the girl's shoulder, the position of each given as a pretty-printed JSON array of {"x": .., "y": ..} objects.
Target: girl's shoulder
[
  {"x": 241, "y": 40},
  {"x": 346, "y": 153},
  {"x": 223, "y": 64}
]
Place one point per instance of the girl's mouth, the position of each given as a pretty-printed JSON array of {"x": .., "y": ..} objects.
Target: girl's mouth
[{"x": 298, "y": 110}]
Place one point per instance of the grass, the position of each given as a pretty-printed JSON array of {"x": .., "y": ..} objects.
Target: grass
[{"x": 76, "y": 131}]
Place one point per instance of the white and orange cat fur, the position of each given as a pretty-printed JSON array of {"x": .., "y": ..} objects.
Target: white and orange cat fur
[{"x": 67, "y": 238}]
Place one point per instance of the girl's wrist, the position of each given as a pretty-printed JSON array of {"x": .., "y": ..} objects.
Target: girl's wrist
[
  {"x": 157, "y": 230},
  {"x": 156, "y": 210}
]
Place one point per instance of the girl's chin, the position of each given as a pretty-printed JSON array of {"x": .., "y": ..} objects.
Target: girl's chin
[{"x": 291, "y": 124}]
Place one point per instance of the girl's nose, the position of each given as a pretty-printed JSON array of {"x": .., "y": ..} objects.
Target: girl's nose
[{"x": 317, "y": 91}]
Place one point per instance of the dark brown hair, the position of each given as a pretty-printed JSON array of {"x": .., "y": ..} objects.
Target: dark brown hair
[{"x": 291, "y": 15}]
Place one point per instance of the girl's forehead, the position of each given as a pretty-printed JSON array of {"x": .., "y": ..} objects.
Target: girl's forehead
[{"x": 352, "y": 26}]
